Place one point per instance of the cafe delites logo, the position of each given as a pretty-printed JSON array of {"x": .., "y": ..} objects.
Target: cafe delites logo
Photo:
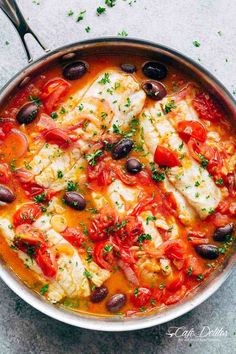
[{"x": 204, "y": 333}]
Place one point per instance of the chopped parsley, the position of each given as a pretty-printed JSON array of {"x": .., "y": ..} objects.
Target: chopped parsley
[
  {"x": 100, "y": 10},
  {"x": 71, "y": 186},
  {"x": 157, "y": 176},
  {"x": 60, "y": 174},
  {"x": 40, "y": 198},
  {"x": 81, "y": 16},
  {"x": 87, "y": 29},
  {"x": 54, "y": 115},
  {"x": 44, "y": 289},
  {"x": 110, "y": 3},
  {"x": 136, "y": 292},
  {"x": 204, "y": 161},
  {"x": 70, "y": 13},
  {"x": 35, "y": 100},
  {"x": 123, "y": 33},
  {"x": 197, "y": 184},
  {"x": 88, "y": 274},
  {"x": 92, "y": 158},
  {"x": 105, "y": 79},
  {"x": 107, "y": 248},
  {"x": 190, "y": 271},
  {"x": 196, "y": 44},
  {"x": 200, "y": 277},
  {"x": 220, "y": 181},
  {"x": 169, "y": 107},
  {"x": 144, "y": 237},
  {"x": 150, "y": 218}
]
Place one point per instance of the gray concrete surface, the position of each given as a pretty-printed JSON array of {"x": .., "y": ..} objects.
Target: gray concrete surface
[{"x": 176, "y": 23}]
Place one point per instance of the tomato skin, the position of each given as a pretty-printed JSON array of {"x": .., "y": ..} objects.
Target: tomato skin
[
  {"x": 74, "y": 236},
  {"x": 26, "y": 214},
  {"x": 174, "y": 250},
  {"x": 103, "y": 259},
  {"x": 193, "y": 266},
  {"x": 177, "y": 282},
  {"x": 190, "y": 128},
  {"x": 219, "y": 219},
  {"x": 57, "y": 136},
  {"x": 207, "y": 108},
  {"x": 53, "y": 91},
  {"x": 142, "y": 297},
  {"x": 47, "y": 262},
  {"x": 166, "y": 157},
  {"x": 171, "y": 298},
  {"x": 5, "y": 173}
]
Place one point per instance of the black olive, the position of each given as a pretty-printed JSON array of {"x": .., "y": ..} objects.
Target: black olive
[
  {"x": 6, "y": 195},
  {"x": 99, "y": 294},
  {"x": 221, "y": 233},
  {"x": 27, "y": 113},
  {"x": 154, "y": 70},
  {"x": 154, "y": 89},
  {"x": 133, "y": 165},
  {"x": 75, "y": 70},
  {"x": 122, "y": 149},
  {"x": 75, "y": 200},
  {"x": 128, "y": 68},
  {"x": 207, "y": 251},
  {"x": 116, "y": 302}
]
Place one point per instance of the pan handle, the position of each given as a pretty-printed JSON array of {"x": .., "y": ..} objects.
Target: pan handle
[{"x": 11, "y": 9}]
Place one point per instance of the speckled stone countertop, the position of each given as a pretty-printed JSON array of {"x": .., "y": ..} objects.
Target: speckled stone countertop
[{"x": 173, "y": 23}]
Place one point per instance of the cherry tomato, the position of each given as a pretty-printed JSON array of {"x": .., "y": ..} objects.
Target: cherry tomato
[
  {"x": 171, "y": 298},
  {"x": 103, "y": 254},
  {"x": 219, "y": 219},
  {"x": 176, "y": 282},
  {"x": 5, "y": 173},
  {"x": 26, "y": 214},
  {"x": 166, "y": 157},
  {"x": 193, "y": 266},
  {"x": 14, "y": 145},
  {"x": 53, "y": 91},
  {"x": 74, "y": 236},
  {"x": 174, "y": 249},
  {"x": 207, "y": 108},
  {"x": 190, "y": 128},
  {"x": 102, "y": 226},
  {"x": 47, "y": 262},
  {"x": 141, "y": 297},
  {"x": 57, "y": 136},
  {"x": 27, "y": 236}
]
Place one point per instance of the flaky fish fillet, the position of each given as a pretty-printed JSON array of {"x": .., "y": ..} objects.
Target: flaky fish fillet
[{"x": 191, "y": 180}]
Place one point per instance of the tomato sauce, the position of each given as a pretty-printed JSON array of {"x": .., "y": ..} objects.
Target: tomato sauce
[{"x": 125, "y": 243}]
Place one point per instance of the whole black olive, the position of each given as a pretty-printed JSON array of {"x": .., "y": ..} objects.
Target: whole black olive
[
  {"x": 27, "y": 113},
  {"x": 75, "y": 200},
  {"x": 116, "y": 302},
  {"x": 154, "y": 89},
  {"x": 221, "y": 233},
  {"x": 133, "y": 165},
  {"x": 75, "y": 70},
  {"x": 6, "y": 195},
  {"x": 207, "y": 251},
  {"x": 128, "y": 68},
  {"x": 154, "y": 70},
  {"x": 122, "y": 149},
  {"x": 99, "y": 294}
]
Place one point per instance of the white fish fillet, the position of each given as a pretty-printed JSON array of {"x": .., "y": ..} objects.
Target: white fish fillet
[{"x": 191, "y": 180}]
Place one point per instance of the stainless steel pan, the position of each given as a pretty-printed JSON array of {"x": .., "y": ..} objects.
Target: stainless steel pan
[{"x": 115, "y": 46}]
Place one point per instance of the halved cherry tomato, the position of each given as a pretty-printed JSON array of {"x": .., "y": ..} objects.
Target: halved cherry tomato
[
  {"x": 141, "y": 297},
  {"x": 191, "y": 128},
  {"x": 28, "y": 236},
  {"x": 171, "y": 298},
  {"x": 57, "y": 136},
  {"x": 47, "y": 262},
  {"x": 5, "y": 173},
  {"x": 193, "y": 266},
  {"x": 53, "y": 91},
  {"x": 176, "y": 282},
  {"x": 166, "y": 157},
  {"x": 14, "y": 145},
  {"x": 103, "y": 225},
  {"x": 103, "y": 254},
  {"x": 26, "y": 214},
  {"x": 207, "y": 108},
  {"x": 174, "y": 249},
  {"x": 74, "y": 236},
  {"x": 219, "y": 219}
]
